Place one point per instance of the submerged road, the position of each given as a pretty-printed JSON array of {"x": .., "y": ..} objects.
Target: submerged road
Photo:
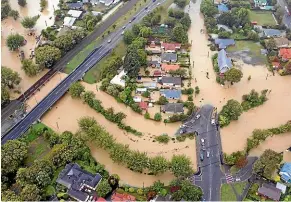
[{"x": 44, "y": 105}]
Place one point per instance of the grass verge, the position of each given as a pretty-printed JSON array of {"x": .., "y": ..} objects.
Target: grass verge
[
  {"x": 239, "y": 187},
  {"x": 226, "y": 193},
  {"x": 262, "y": 17}
]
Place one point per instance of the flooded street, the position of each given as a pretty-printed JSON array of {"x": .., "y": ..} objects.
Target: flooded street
[
  {"x": 9, "y": 25},
  {"x": 276, "y": 111}
]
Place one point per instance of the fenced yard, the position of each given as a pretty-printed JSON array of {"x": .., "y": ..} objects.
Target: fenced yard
[{"x": 262, "y": 17}]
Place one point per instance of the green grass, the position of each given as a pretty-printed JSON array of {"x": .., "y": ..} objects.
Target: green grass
[
  {"x": 262, "y": 17},
  {"x": 164, "y": 11},
  {"x": 34, "y": 132},
  {"x": 37, "y": 150},
  {"x": 239, "y": 187},
  {"x": 50, "y": 190},
  {"x": 93, "y": 75},
  {"x": 227, "y": 193},
  {"x": 78, "y": 59},
  {"x": 234, "y": 169},
  {"x": 253, "y": 47}
]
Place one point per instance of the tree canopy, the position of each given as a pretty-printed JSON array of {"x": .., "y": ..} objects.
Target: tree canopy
[
  {"x": 158, "y": 165},
  {"x": 76, "y": 89},
  {"x": 233, "y": 75},
  {"x": 29, "y": 67},
  {"x": 22, "y": 3},
  {"x": 103, "y": 188},
  {"x": 30, "y": 193},
  {"x": 179, "y": 34},
  {"x": 181, "y": 3},
  {"x": 132, "y": 62},
  {"x": 47, "y": 55},
  {"x": 29, "y": 22},
  {"x": 14, "y": 41},
  {"x": 9, "y": 77},
  {"x": 181, "y": 166}
]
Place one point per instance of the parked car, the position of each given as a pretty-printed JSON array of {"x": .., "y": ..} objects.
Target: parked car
[
  {"x": 203, "y": 148},
  {"x": 198, "y": 116},
  {"x": 133, "y": 18},
  {"x": 123, "y": 27},
  {"x": 213, "y": 121},
  {"x": 109, "y": 41},
  {"x": 159, "y": 4},
  {"x": 122, "y": 33},
  {"x": 202, "y": 141},
  {"x": 201, "y": 156},
  {"x": 207, "y": 154},
  {"x": 146, "y": 8}
]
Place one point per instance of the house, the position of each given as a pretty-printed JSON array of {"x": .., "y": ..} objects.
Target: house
[
  {"x": 171, "y": 94},
  {"x": 224, "y": 43},
  {"x": 155, "y": 64},
  {"x": 122, "y": 197},
  {"x": 285, "y": 172},
  {"x": 282, "y": 187},
  {"x": 175, "y": 108},
  {"x": 119, "y": 79},
  {"x": 171, "y": 81},
  {"x": 157, "y": 73},
  {"x": 270, "y": 191},
  {"x": 260, "y": 3},
  {"x": 153, "y": 48},
  {"x": 169, "y": 57},
  {"x": 224, "y": 63},
  {"x": 143, "y": 105},
  {"x": 224, "y": 27},
  {"x": 281, "y": 42},
  {"x": 150, "y": 85},
  {"x": 136, "y": 99},
  {"x": 285, "y": 54},
  {"x": 107, "y": 2},
  {"x": 222, "y": 8},
  {"x": 272, "y": 33},
  {"x": 276, "y": 65},
  {"x": 79, "y": 182},
  {"x": 170, "y": 67},
  {"x": 140, "y": 90},
  {"x": 170, "y": 47},
  {"x": 75, "y": 6},
  {"x": 96, "y": 13},
  {"x": 75, "y": 13},
  {"x": 69, "y": 21}
]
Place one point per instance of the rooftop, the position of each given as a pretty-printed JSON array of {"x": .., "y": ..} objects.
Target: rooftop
[
  {"x": 281, "y": 42},
  {"x": 172, "y": 80},
  {"x": 122, "y": 197},
  {"x": 173, "y": 107},
  {"x": 285, "y": 172},
  {"x": 143, "y": 105},
  {"x": 171, "y": 57},
  {"x": 224, "y": 63},
  {"x": 69, "y": 21},
  {"x": 118, "y": 79},
  {"x": 171, "y": 94},
  {"x": 222, "y": 8},
  {"x": 75, "y": 5},
  {"x": 282, "y": 187},
  {"x": 270, "y": 191},
  {"x": 285, "y": 53},
  {"x": 171, "y": 46},
  {"x": 224, "y": 43},
  {"x": 272, "y": 32},
  {"x": 170, "y": 67},
  {"x": 75, "y": 13}
]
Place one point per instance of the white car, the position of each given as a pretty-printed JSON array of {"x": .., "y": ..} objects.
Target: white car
[
  {"x": 213, "y": 121},
  {"x": 208, "y": 154},
  {"x": 237, "y": 179},
  {"x": 198, "y": 116},
  {"x": 122, "y": 33},
  {"x": 109, "y": 41},
  {"x": 202, "y": 141},
  {"x": 159, "y": 4}
]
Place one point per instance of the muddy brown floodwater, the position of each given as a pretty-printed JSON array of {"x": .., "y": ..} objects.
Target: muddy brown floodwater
[{"x": 9, "y": 25}]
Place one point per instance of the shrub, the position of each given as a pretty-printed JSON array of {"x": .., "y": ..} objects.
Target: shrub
[
  {"x": 177, "y": 117},
  {"x": 162, "y": 101},
  {"x": 131, "y": 190},
  {"x": 135, "y": 107},
  {"x": 164, "y": 138},
  {"x": 188, "y": 91},
  {"x": 146, "y": 94},
  {"x": 181, "y": 138},
  {"x": 158, "y": 117},
  {"x": 147, "y": 115},
  {"x": 190, "y": 98},
  {"x": 139, "y": 191}
]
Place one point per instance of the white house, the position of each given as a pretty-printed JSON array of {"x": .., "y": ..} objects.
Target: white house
[
  {"x": 75, "y": 13},
  {"x": 69, "y": 21},
  {"x": 118, "y": 79},
  {"x": 136, "y": 99}
]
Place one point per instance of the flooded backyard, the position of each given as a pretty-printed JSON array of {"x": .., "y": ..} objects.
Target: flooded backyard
[{"x": 9, "y": 26}]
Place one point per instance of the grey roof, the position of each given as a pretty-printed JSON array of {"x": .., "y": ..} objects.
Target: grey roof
[
  {"x": 171, "y": 94},
  {"x": 224, "y": 43},
  {"x": 270, "y": 191},
  {"x": 73, "y": 177},
  {"x": 169, "y": 57},
  {"x": 173, "y": 80},
  {"x": 173, "y": 107},
  {"x": 75, "y": 5},
  {"x": 272, "y": 32},
  {"x": 224, "y": 63}
]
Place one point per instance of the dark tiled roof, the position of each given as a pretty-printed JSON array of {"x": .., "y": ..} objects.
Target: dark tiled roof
[
  {"x": 173, "y": 107},
  {"x": 174, "y": 80},
  {"x": 75, "y": 5},
  {"x": 169, "y": 57},
  {"x": 270, "y": 191}
]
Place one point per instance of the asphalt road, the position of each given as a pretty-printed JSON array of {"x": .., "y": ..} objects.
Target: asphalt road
[
  {"x": 210, "y": 175},
  {"x": 45, "y": 104},
  {"x": 286, "y": 18},
  {"x": 60, "y": 65}
]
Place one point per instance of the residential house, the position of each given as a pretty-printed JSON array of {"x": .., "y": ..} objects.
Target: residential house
[
  {"x": 75, "y": 13},
  {"x": 276, "y": 65},
  {"x": 222, "y": 8},
  {"x": 270, "y": 191},
  {"x": 140, "y": 90},
  {"x": 107, "y": 2},
  {"x": 78, "y": 181},
  {"x": 282, "y": 187},
  {"x": 285, "y": 172},
  {"x": 137, "y": 99},
  {"x": 174, "y": 108},
  {"x": 170, "y": 67},
  {"x": 96, "y": 13},
  {"x": 155, "y": 61},
  {"x": 157, "y": 73},
  {"x": 224, "y": 43},
  {"x": 75, "y": 6},
  {"x": 171, "y": 94},
  {"x": 143, "y": 105},
  {"x": 285, "y": 54},
  {"x": 281, "y": 42},
  {"x": 119, "y": 79},
  {"x": 224, "y": 63},
  {"x": 272, "y": 33},
  {"x": 169, "y": 57},
  {"x": 122, "y": 197},
  {"x": 171, "y": 81},
  {"x": 260, "y": 3},
  {"x": 170, "y": 47},
  {"x": 69, "y": 21},
  {"x": 153, "y": 48},
  {"x": 150, "y": 85},
  {"x": 224, "y": 27}
]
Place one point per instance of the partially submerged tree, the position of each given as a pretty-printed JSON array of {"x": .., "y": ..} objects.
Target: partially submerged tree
[
  {"x": 29, "y": 67},
  {"x": 14, "y": 41},
  {"x": 29, "y": 22},
  {"x": 76, "y": 89},
  {"x": 22, "y": 3},
  {"x": 47, "y": 55},
  {"x": 233, "y": 75},
  {"x": 9, "y": 77}
]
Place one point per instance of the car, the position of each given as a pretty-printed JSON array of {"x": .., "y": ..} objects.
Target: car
[
  {"x": 201, "y": 156},
  {"x": 122, "y": 33},
  {"x": 123, "y": 27},
  {"x": 207, "y": 154},
  {"x": 134, "y": 18},
  {"x": 203, "y": 148},
  {"x": 237, "y": 179},
  {"x": 109, "y": 41},
  {"x": 146, "y": 8},
  {"x": 213, "y": 121},
  {"x": 159, "y": 4},
  {"x": 130, "y": 21},
  {"x": 198, "y": 116},
  {"x": 148, "y": 11},
  {"x": 202, "y": 141},
  {"x": 154, "y": 0}
]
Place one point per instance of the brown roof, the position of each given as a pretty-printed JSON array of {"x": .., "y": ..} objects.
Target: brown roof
[
  {"x": 270, "y": 192},
  {"x": 170, "y": 67},
  {"x": 122, "y": 197},
  {"x": 281, "y": 42}
]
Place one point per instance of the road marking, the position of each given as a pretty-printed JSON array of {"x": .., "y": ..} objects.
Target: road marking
[{"x": 229, "y": 178}]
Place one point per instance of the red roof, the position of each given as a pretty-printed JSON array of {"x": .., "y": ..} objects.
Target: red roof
[
  {"x": 101, "y": 199},
  {"x": 167, "y": 67},
  {"x": 275, "y": 64},
  {"x": 157, "y": 73},
  {"x": 143, "y": 105},
  {"x": 171, "y": 46},
  {"x": 122, "y": 197},
  {"x": 285, "y": 53}
]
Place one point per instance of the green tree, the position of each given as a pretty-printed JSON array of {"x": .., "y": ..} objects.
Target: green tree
[
  {"x": 233, "y": 75},
  {"x": 162, "y": 100},
  {"x": 5, "y": 9},
  {"x": 139, "y": 42},
  {"x": 158, "y": 117},
  {"x": 30, "y": 193},
  {"x": 136, "y": 29},
  {"x": 131, "y": 62},
  {"x": 9, "y": 195},
  {"x": 270, "y": 44},
  {"x": 9, "y": 77},
  {"x": 88, "y": 97},
  {"x": 145, "y": 31},
  {"x": 186, "y": 21},
  {"x": 29, "y": 67},
  {"x": 29, "y": 22},
  {"x": 64, "y": 42},
  {"x": 4, "y": 94},
  {"x": 43, "y": 4},
  {"x": 22, "y": 3},
  {"x": 197, "y": 90},
  {"x": 137, "y": 161},
  {"x": 14, "y": 14},
  {"x": 179, "y": 34},
  {"x": 119, "y": 153},
  {"x": 191, "y": 192},
  {"x": 85, "y": 123},
  {"x": 147, "y": 115},
  {"x": 158, "y": 165},
  {"x": 128, "y": 37},
  {"x": 253, "y": 36},
  {"x": 76, "y": 89},
  {"x": 142, "y": 57},
  {"x": 47, "y": 55},
  {"x": 181, "y": 72},
  {"x": 208, "y": 8},
  {"x": 103, "y": 188},
  {"x": 14, "y": 41},
  {"x": 180, "y": 3},
  {"x": 232, "y": 110},
  {"x": 181, "y": 166}
]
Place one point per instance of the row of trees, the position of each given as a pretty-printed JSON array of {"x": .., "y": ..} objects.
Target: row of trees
[
  {"x": 253, "y": 99},
  {"x": 137, "y": 161},
  {"x": 7, "y": 11}
]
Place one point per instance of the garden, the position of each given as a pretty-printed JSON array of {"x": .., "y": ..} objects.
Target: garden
[{"x": 262, "y": 17}]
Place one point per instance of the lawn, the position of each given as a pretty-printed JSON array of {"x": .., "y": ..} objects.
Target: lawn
[
  {"x": 239, "y": 187},
  {"x": 34, "y": 132},
  {"x": 92, "y": 76},
  {"x": 164, "y": 11},
  {"x": 227, "y": 193},
  {"x": 234, "y": 169},
  {"x": 79, "y": 58},
  {"x": 262, "y": 17}
]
